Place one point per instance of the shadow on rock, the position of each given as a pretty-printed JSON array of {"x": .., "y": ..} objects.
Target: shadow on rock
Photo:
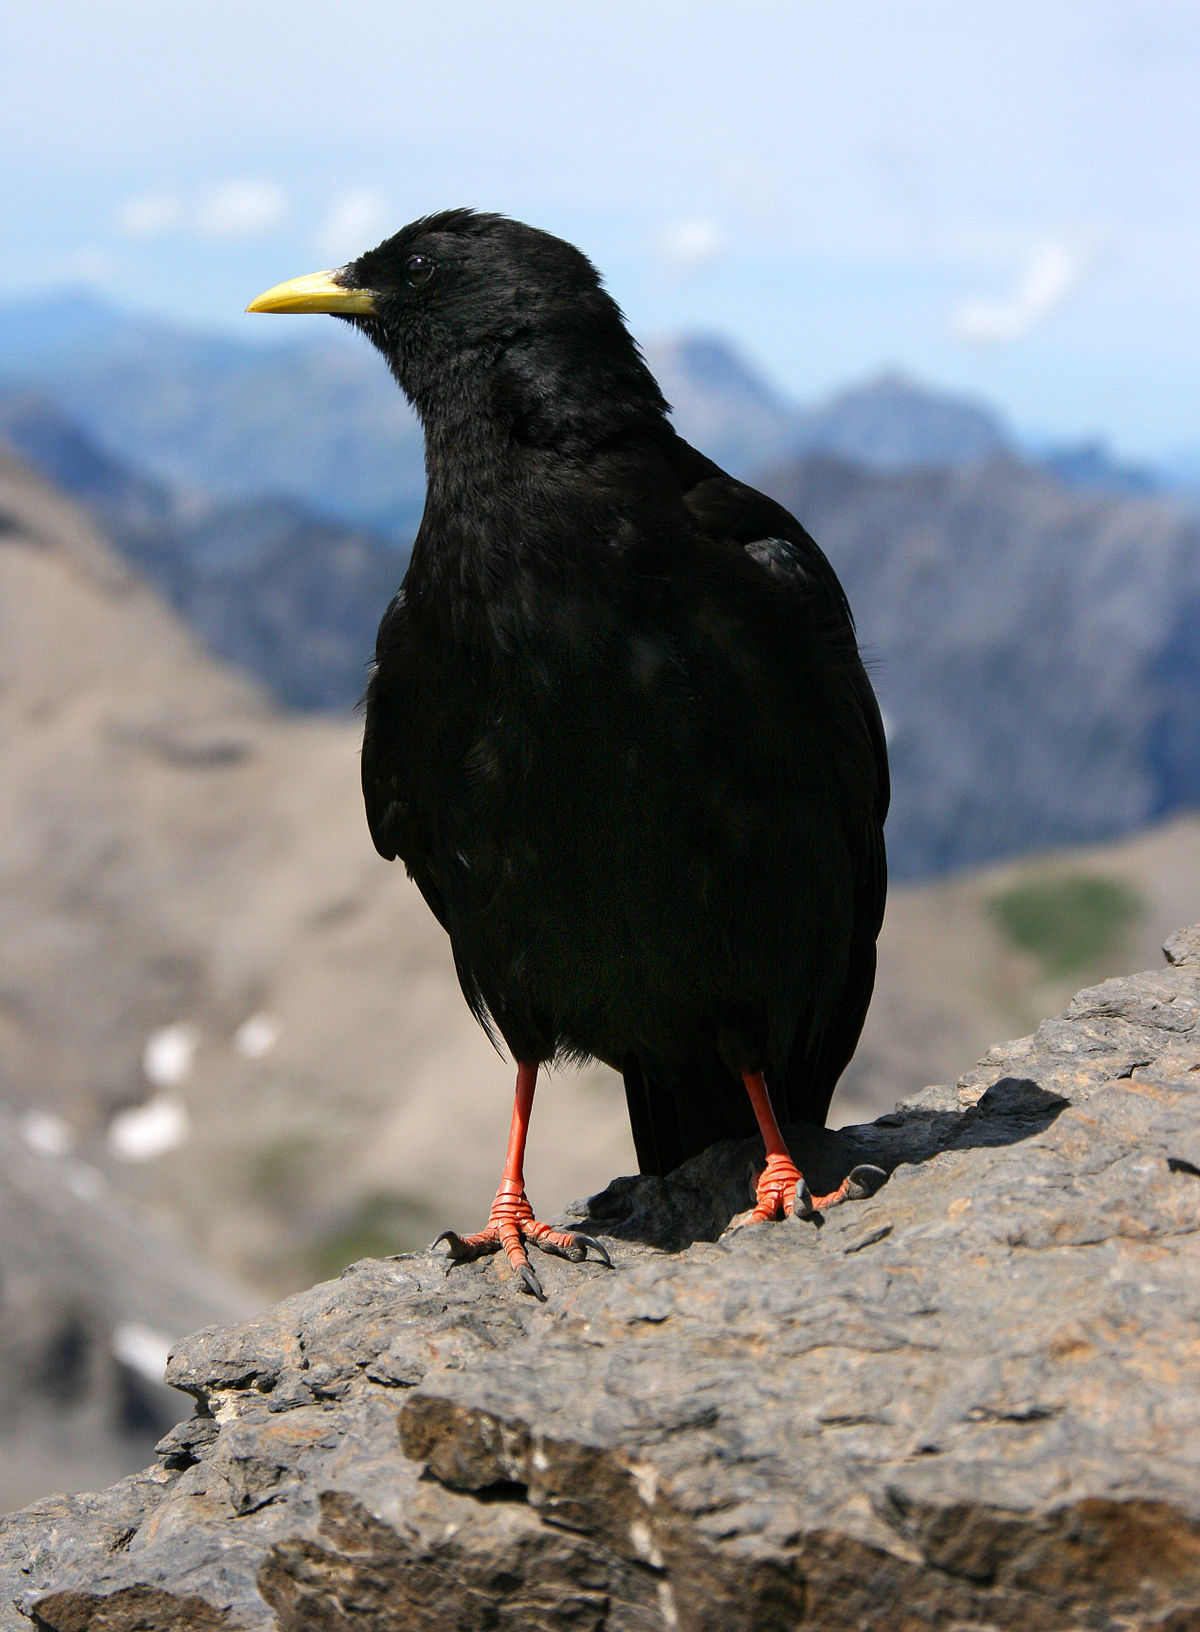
[{"x": 697, "y": 1201}]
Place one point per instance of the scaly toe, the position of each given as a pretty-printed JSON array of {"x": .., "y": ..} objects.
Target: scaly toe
[
  {"x": 780, "y": 1192},
  {"x": 556, "y": 1242},
  {"x": 464, "y": 1248},
  {"x": 860, "y": 1183}
]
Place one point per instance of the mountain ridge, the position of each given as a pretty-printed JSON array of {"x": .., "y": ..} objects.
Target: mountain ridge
[{"x": 315, "y": 418}]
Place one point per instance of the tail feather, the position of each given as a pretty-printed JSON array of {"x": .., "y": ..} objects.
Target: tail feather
[{"x": 677, "y": 1115}]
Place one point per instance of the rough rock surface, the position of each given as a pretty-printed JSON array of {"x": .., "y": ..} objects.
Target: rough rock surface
[{"x": 970, "y": 1402}]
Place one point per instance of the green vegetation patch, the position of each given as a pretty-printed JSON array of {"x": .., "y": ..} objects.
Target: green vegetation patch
[
  {"x": 279, "y": 1172},
  {"x": 1069, "y": 922},
  {"x": 377, "y": 1226}
]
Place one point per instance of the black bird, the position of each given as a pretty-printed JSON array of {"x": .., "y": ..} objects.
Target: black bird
[{"x": 618, "y": 728}]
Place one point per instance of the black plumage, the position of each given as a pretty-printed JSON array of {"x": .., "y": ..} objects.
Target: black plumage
[{"x": 618, "y": 728}]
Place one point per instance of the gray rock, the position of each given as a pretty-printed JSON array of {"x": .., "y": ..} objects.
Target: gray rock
[{"x": 969, "y": 1401}]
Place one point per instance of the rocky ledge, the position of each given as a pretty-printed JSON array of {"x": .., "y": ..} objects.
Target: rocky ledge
[{"x": 972, "y": 1401}]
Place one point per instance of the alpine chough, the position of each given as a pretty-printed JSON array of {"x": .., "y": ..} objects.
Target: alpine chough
[{"x": 617, "y": 729}]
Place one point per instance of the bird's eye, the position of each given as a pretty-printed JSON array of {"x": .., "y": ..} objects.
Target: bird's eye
[{"x": 418, "y": 269}]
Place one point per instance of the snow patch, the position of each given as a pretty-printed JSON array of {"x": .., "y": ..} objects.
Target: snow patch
[
  {"x": 170, "y": 1053},
  {"x": 257, "y": 1036},
  {"x": 142, "y": 1349},
  {"x": 146, "y": 1131}
]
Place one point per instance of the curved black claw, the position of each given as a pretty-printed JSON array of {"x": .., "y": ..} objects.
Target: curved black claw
[
  {"x": 530, "y": 1282},
  {"x": 863, "y": 1181},
  {"x": 590, "y": 1241},
  {"x": 571, "y": 1251}
]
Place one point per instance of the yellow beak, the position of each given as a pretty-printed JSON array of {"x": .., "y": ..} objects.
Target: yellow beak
[{"x": 314, "y": 292}]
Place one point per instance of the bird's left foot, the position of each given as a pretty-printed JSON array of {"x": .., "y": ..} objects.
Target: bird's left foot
[
  {"x": 510, "y": 1225},
  {"x": 781, "y": 1192}
]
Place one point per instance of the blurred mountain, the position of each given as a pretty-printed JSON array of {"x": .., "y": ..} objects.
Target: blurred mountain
[
  {"x": 892, "y": 423},
  {"x": 1092, "y": 468},
  {"x": 46, "y": 331},
  {"x": 305, "y": 411},
  {"x": 1034, "y": 648},
  {"x": 721, "y": 405},
  {"x": 35, "y": 426},
  {"x": 284, "y": 594},
  {"x": 886, "y": 423},
  {"x": 314, "y": 418}
]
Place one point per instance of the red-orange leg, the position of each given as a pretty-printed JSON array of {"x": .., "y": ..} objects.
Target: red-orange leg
[
  {"x": 511, "y": 1222},
  {"x": 781, "y": 1190}
]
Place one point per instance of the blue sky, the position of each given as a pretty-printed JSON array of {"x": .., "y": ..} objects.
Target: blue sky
[{"x": 1001, "y": 198}]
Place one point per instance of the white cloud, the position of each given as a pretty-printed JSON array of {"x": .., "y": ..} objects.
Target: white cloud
[
  {"x": 689, "y": 244},
  {"x": 241, "y": 209},
  {"x": 1055, "y": 269},
  {"x": 232, "y": 209},
  {"x": 150, "y": 215},
  {"x": 356, "y": 222}
]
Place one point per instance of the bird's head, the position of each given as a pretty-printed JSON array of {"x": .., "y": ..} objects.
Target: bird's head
[{"x": 479, "y": 317}]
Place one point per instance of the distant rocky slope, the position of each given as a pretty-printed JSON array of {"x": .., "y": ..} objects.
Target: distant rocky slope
[
  {"x": 892, "y": 423},
  {"x": 314, "y": 419},
  {"x": 284, "y": 594},
  {"x": 1035, "y": 650},
  {"x": 969, "y": 1402}
]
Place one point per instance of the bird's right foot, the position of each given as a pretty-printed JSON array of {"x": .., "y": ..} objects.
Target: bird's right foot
[
  {"x": 511, "y": 1223},
  {"x": 781, "y": 1192}
]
